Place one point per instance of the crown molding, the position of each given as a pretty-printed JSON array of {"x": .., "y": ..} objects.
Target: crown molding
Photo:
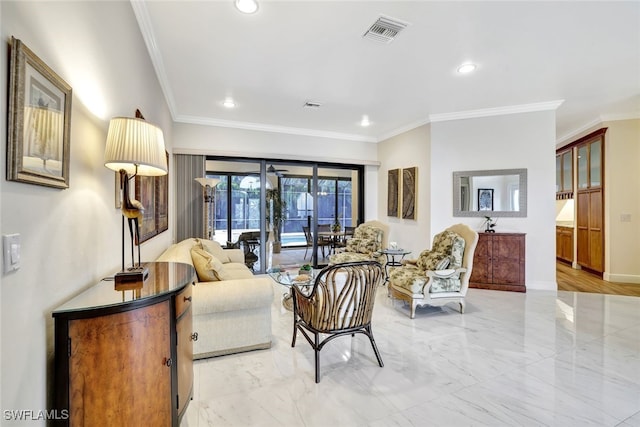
[
  {"x": 144, "y": 22},
  {"x": 497, "y": 111},
  {"x": 403, "y": 129},
  {"x": 618, "y": 117},
  {"x": 564, "y": 139},
  {"x": 272, "y": 155},
  {"x": 560, "y": 142},
  {"x": 273, "y": 128}
]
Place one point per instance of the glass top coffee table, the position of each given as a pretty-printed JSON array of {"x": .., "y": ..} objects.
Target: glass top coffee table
[{"x": 292, "y": 276}]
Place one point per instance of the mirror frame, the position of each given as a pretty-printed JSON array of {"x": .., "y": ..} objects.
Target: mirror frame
[{"x": 522, "y": 174}]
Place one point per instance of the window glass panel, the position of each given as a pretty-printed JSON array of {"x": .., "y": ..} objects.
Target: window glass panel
[
  {"x": 594, "y": 163},
  {"x": 295, "y": 192},
  {"x": 582, "y": 167},
  {"x": 344, "y": 202},
  {"x": 220, "y": 209},
  {"x": 326, "y": 201}
]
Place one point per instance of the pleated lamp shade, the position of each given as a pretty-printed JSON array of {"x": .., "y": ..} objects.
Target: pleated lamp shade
[{"x": 132, "y": 143}]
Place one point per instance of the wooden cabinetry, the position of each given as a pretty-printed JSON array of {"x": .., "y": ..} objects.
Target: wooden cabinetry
[
  {"x": 589, "y": 202},
  {"x": 125, "y": 357},
  {"x": 564, "y": 175},
  {"x": 499, "y": 262},
  {"x": 564, "y": 243}
]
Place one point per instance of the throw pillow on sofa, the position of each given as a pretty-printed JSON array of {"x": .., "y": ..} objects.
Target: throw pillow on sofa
[
  {"x": 214, "y": 249},
  {"x": 208, "y": 267}
]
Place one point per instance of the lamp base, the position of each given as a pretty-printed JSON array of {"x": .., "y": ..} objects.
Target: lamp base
[{"x": 131, "y": 278}]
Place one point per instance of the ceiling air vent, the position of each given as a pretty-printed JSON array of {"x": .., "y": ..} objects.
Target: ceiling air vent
[
  {"x": 384, "y": 30},
  {"x": 310, "y": 104}
]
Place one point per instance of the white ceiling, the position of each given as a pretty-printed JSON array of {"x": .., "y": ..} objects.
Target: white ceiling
[{"x": 586, "y": 54}]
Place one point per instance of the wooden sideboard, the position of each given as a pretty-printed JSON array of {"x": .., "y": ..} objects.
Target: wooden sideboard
[
  {"x": 499, "y": 262},
  {"x": 125, "y": 357}
]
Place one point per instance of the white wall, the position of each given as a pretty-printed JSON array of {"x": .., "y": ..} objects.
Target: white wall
[
  {"x": 513, "y": 141},
  {"x": 409, "y": 149},
  {"x": 214, "y": 140},
  {"x": 70, "y": 238}
]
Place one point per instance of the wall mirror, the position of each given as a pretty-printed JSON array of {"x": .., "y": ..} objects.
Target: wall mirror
[{"x": 494, "y": 193}]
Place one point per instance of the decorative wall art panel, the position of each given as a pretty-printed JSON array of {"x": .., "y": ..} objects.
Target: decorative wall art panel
[
  {"x": 409, "y": 191},
  {"x": 393, "y": 182}
]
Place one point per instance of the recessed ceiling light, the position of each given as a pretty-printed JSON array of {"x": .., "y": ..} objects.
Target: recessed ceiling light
[
  {"x": 247, "y": 6},
  {"x": 365, "y": 121},
  {"x": 229, "y": 103},
  {"x": 466, "y": 68}
]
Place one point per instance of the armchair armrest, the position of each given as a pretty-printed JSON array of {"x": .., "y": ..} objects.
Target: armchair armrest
[
  {"x": 443, "y": 281},
  {"x": 445, "y": 274}
]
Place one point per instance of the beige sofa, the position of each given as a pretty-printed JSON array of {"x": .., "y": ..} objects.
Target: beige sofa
[{"x": 231, "y": 315}]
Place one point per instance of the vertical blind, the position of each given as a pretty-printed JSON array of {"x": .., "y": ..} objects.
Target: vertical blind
[{"x": 189, "y": 198}]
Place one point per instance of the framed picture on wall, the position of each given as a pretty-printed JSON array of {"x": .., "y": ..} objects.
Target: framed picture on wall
[
  {"x": 39, "y": 121},
  {"x": 485, "y": 199},
  {"x": 153, "y": 193}
]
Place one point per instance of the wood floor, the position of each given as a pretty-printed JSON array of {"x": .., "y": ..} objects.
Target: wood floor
[{"x": 570, "y": 279}]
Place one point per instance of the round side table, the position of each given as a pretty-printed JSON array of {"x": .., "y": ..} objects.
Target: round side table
[{"x": 394, "y": 259}]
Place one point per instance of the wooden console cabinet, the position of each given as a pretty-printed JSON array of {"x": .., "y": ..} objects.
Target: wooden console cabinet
[
  {"x": 125, "y": 357},
  {"x": 499, "y": 262}
]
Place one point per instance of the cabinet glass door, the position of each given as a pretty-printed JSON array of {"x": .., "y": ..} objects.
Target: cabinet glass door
[
  {"x": 583, "y": 161},
  {"x": 594, "y": 164},
  {"x": 567, "y": 171},
  {"x": 558, "y": 173}
]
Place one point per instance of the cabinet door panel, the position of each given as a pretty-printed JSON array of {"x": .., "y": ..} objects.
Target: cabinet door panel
[
  {"x": 481, "y": 272},
  {"x": 506, "y": 259},
  {"x": 107, "y": 388}
]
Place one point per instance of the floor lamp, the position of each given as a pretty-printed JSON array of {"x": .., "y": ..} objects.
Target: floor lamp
[
  {"x": 134, "y": 147},
  {"x": 208, "y": 192}
]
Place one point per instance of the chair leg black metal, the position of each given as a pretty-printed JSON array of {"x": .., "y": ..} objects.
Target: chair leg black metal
[
  {"x": 375, "y": 347},
  {"x": 317, "y": 351}
]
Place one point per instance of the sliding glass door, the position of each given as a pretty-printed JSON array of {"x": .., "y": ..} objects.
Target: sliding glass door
[{"x": 308, "y": 194}]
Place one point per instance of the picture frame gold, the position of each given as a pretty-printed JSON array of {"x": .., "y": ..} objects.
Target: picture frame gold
[{"x": 39, "y": 122}]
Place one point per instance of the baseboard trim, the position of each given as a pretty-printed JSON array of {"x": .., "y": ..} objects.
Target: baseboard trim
[
  {"x": 542, "y": 285},
  {"x": 621, "y": 278}
]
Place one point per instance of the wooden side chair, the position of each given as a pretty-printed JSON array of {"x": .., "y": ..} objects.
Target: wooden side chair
[{"x": 340, "y": 303}]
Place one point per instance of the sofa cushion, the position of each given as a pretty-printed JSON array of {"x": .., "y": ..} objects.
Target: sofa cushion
[
  {"x": 208, "y": 267},
  {"x": 237, "y": 270},
  {"x": 214, "y": 249},
  {"x": 409, "y": 277},
  {"x": 179, "y": 252}
]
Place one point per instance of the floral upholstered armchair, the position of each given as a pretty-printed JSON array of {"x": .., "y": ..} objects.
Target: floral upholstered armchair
[
  {"x": 367, "y": 243},
  {"x": 439, "y": 275}
]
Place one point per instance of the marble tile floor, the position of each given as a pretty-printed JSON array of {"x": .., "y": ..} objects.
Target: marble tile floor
[{"x": 537, "y": 359}]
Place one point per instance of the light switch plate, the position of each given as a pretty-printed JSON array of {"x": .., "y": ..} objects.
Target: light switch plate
[{"x": 11, "y": 252}]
